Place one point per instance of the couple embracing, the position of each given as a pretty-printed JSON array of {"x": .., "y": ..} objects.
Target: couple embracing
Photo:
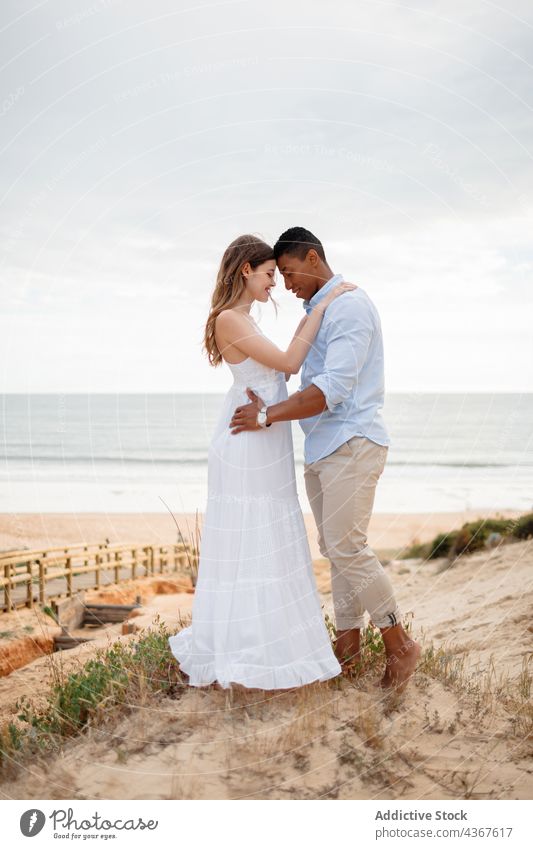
[{"x": 257, "y": 619}]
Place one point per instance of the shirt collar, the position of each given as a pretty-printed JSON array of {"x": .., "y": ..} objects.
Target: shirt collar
[{"x": 308, "y": 305}]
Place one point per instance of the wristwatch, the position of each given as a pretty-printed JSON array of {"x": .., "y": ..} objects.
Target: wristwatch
[{"x": 262, "y": 417}]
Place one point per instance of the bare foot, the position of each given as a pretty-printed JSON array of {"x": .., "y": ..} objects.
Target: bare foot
[
  {"x": 347, "y": 648},
  {"x": 351, "y": 665},
  {"x": 400, "y": 666},
  {"x": 385, "y": 681},
  {"x": 352, "y": 668},
  {"x": 347, "y": 657}
]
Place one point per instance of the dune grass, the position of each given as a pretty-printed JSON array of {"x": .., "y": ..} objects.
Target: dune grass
[
  {"x": 115, "y": 681},
  {"x": 112, "y": 683},
  {"x": 127, "y": 676},
  {"x": 485, "y": 691},
  {"x": 472, "y": 536}
]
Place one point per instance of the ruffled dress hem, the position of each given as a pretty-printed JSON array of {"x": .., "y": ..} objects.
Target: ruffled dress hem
[{"x": 253, "y": 676}]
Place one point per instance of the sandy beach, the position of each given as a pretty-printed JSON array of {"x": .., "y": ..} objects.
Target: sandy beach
[
  {"x": 388, "y": 532},
  {"x": 461, "y": 730}
]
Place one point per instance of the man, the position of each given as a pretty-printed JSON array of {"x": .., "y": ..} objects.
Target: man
[{"x": 346, "y": 444}]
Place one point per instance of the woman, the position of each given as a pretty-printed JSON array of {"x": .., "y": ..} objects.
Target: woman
[{"x": 256, "y": 617}]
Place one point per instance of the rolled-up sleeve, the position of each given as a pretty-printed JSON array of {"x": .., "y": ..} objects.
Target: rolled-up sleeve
[{"x": 348, "y": 332}]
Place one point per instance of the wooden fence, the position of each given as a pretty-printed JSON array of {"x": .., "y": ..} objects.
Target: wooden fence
[{"x": 36, "y": 577}]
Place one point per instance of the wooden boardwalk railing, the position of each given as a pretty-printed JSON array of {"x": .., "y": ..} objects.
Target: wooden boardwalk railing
[{"x": 30, "y": 577}]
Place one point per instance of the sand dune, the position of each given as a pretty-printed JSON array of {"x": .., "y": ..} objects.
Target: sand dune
[{"x": 462, "y": 729}]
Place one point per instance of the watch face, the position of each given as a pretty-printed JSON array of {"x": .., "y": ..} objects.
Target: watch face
[{"x": 261, "y": 417}]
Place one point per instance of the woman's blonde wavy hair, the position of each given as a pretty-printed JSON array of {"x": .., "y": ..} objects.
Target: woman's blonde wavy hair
[{"x": 230, "y": 284}]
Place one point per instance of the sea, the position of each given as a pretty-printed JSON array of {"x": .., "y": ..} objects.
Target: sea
[{"x": 148, "y": 452}]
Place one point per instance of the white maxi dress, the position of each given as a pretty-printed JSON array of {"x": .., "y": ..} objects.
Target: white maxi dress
[{"x": 256, "y": 617}]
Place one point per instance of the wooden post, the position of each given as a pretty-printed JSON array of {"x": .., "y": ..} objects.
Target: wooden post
[
  {"x": 68, "y": 566},
  {"x": 117, "y": 567},
  {"x": 42, "y": 568},
  {"x": 29, "y": 585},
  {"x": 7, "y": 587},
  {"x": 133, "y": 563},
  {"x": 97, "y": 570}
]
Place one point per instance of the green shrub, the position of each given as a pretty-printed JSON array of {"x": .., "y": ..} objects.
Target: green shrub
[
  {"x": 114, "y": 680},
  {"x": 523, "y": 528},
  {"x": 441, "y": 545},
  {"x": 471, "y": 537}
]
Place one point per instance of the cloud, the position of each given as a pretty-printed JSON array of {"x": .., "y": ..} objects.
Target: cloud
[{"x": 138, "y": 143}]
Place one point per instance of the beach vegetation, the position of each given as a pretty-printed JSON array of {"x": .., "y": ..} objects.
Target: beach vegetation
[
  {"x": 471, "y": 537},
  {"x": 116, "y": 680}
]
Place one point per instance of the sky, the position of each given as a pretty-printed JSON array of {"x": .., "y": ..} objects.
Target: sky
[{"x": 139, "y": 139}]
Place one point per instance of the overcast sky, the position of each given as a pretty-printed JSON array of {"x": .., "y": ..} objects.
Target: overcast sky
[{"x": 139, "y": 138}]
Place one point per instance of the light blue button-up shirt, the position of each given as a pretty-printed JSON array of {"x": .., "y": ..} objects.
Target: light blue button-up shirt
[{"x": 345, "y": 361}]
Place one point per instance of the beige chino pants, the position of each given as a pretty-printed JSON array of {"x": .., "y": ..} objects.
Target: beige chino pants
[{"x": 341, "y": 489}]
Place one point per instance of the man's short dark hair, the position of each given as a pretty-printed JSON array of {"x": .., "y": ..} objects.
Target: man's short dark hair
[{"x": 297, "y": 241}]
